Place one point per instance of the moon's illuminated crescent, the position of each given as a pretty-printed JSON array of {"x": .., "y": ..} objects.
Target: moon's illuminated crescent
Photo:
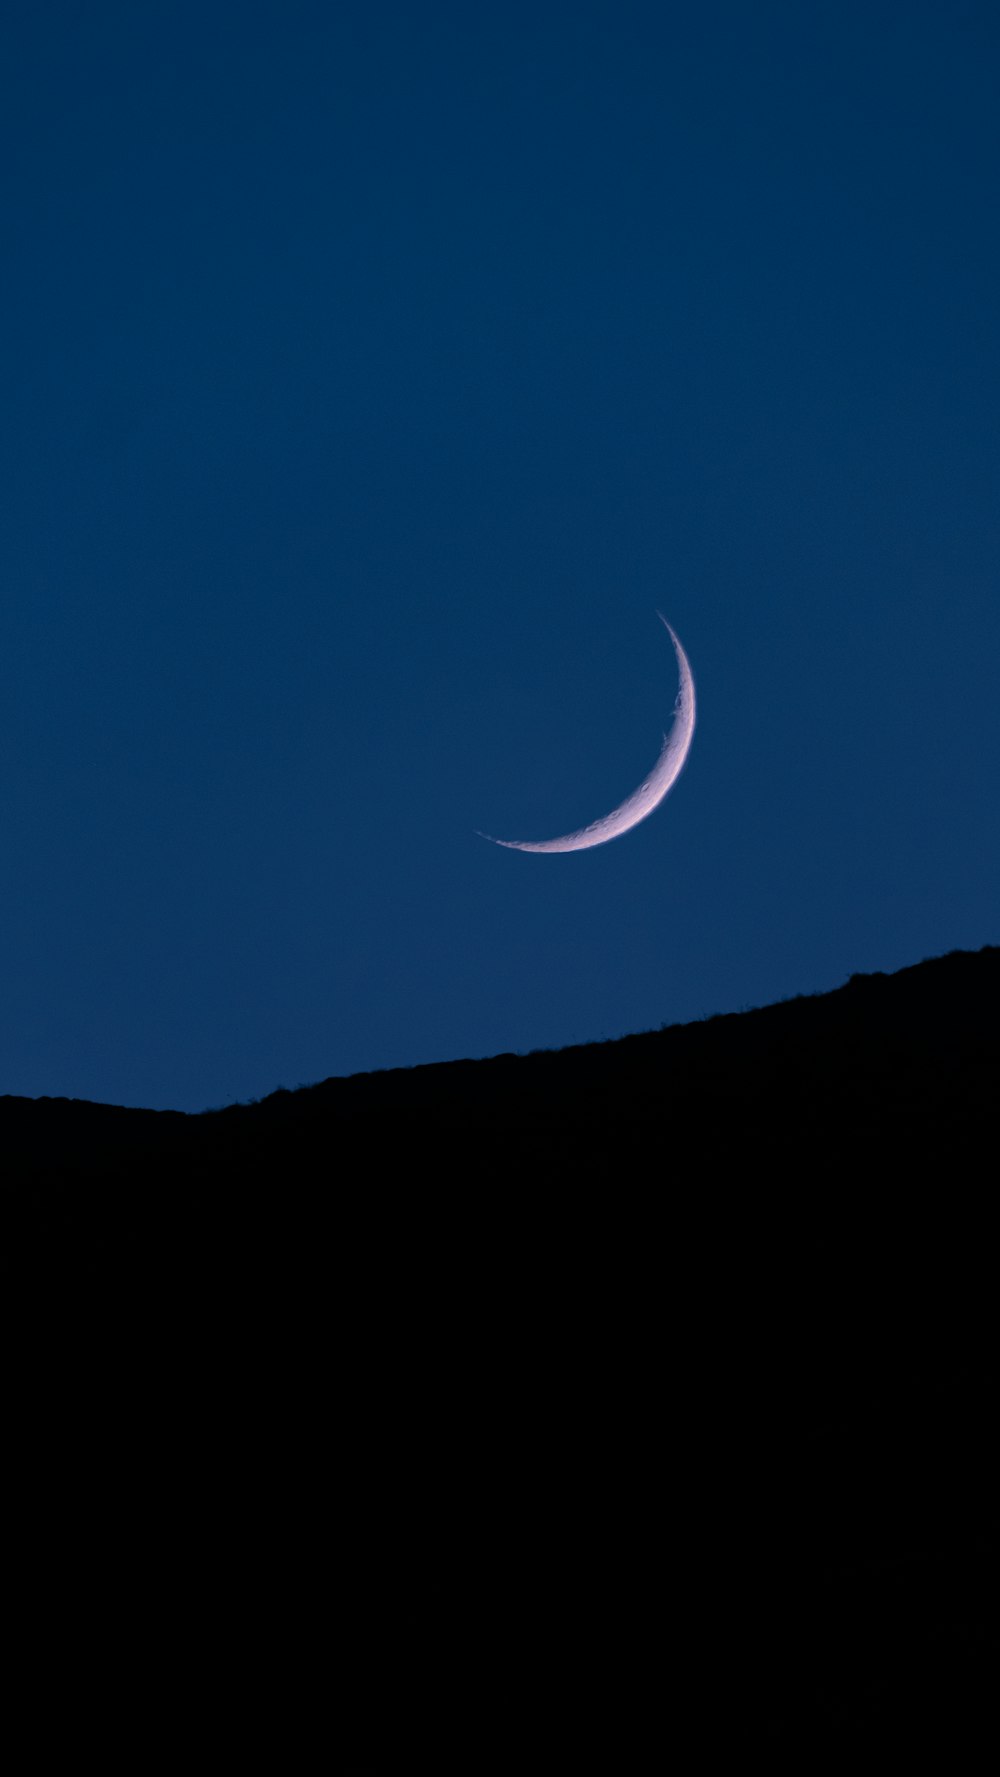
[{"x": 649, "y": 795}]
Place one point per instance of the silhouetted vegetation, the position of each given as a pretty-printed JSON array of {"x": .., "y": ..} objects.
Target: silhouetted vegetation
[{"x": 601, "y": 1396}]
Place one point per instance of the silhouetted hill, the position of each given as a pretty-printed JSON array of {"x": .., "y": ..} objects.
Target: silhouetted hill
[
  {"x": 591, "y": 1399},
  {"x": 883, "y": 1056}
]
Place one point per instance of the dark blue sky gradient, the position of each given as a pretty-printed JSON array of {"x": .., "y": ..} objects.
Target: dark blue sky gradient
[{"x": 372, "y": 374}]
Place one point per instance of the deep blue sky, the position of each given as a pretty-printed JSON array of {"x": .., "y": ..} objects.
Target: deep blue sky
[{"x": 371, "y": 374}]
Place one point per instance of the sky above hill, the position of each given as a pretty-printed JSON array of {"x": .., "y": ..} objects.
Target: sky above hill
[{"x": 372, "y": 374}]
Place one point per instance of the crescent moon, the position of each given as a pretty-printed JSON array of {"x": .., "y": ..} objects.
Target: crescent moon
[{"x": 652, "y": 790}]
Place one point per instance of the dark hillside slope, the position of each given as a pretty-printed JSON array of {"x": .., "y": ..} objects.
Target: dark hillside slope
[
  {"x": 894, "y": 1057},
  {"x": 588, "y": 1400}
]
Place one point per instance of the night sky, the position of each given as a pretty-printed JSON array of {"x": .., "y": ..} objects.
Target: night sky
[{"x": 372, "y": 374}]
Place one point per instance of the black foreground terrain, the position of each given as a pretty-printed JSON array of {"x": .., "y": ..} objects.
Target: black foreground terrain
[{"x": 595, "y": 1404}]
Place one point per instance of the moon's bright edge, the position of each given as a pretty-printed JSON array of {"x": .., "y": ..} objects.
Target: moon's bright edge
[{"x": 651, "y": 792}]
